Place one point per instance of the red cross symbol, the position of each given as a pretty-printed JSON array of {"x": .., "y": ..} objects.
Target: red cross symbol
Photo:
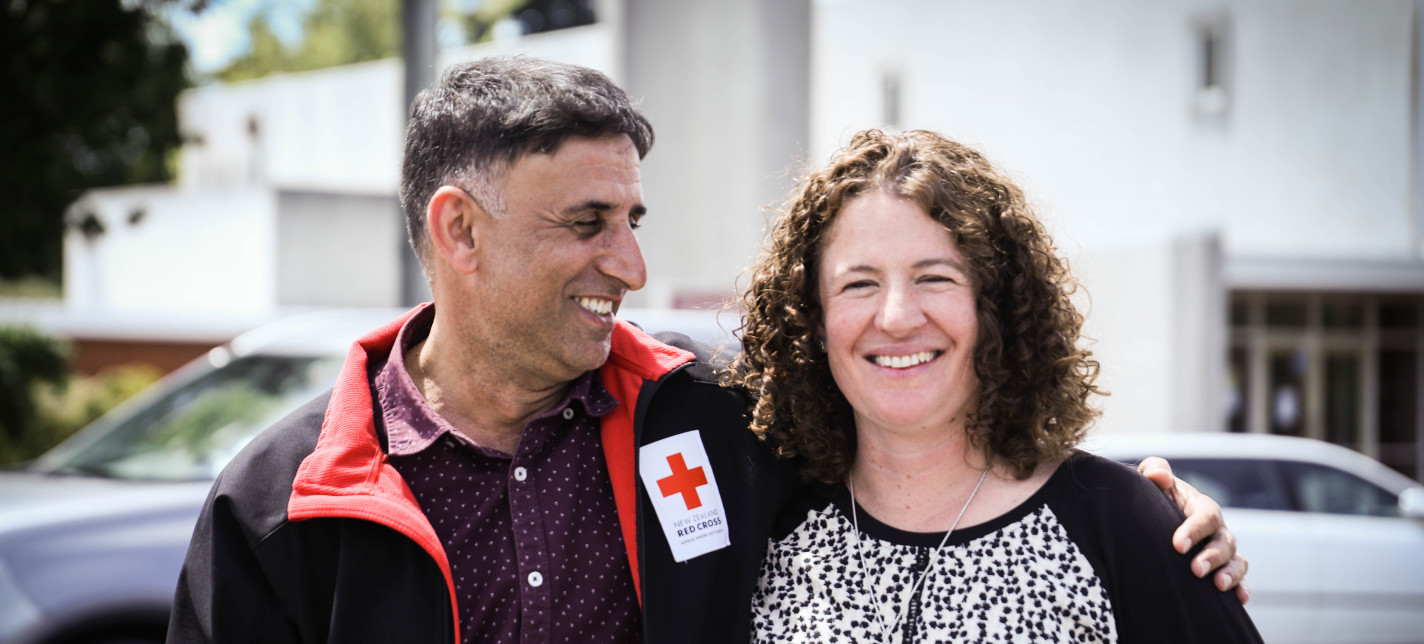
[{"x": 683, "y": 481}]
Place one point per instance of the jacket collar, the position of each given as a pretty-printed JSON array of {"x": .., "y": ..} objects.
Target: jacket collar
[{"x": 347, "y": 474}]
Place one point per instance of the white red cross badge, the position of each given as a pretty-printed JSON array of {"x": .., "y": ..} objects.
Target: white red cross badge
[{"x": 679, "y": 480}]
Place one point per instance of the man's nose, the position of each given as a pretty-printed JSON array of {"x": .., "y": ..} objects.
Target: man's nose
[{"x": 624, "y": 260}]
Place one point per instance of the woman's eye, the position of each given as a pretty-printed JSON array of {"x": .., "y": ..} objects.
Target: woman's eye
[{"x": 859, "y": 284}]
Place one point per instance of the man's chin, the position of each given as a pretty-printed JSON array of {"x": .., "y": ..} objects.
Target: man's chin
[{"x": 592, "y": 355}]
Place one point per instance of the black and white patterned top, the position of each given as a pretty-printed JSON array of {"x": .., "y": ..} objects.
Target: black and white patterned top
[{"x": 1087, "y": 558}]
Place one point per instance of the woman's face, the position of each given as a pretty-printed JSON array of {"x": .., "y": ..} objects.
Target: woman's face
[{"x": 900, "y": 319}]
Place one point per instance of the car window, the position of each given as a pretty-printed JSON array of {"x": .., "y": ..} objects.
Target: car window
[
  {"x": 191, "y": 432},
  {"x": 1234, "y": 482},
  {"x": 1317, "y": 488}
]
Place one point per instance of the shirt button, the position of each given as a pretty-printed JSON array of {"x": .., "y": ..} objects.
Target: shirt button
[
  {"x": 535, "y": 579},
  {"x": 568, "y": 413},
  {"x": 520, "y": 474}
]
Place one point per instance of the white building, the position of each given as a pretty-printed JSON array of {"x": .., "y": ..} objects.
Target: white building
[{"x": 1236, "y": 183}]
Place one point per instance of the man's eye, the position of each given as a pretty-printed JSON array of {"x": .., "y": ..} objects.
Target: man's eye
[
  {"x": 635, "y": 223},
  {"x": 588, "y": 225}
]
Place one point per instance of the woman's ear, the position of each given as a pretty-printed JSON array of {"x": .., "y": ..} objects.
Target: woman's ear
[{"x": 454, "y": 235}]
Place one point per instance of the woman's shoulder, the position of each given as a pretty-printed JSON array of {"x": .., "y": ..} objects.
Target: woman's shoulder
[
  {"x": 1089, "y": 469},
  {"x": 1103, "y": 478},
  {"x": 1095, "y": 493}
]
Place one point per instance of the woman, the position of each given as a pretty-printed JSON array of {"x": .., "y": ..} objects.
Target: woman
[{"x": 911, "y": 342}]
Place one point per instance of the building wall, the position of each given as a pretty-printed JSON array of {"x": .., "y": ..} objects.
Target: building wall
[
  {"x": 338, "y": 249},
  {"x": 170, "y": 252},
  {"x": 332, "y": 129},
  {"x": 725, "y": 87},
  {"x": 1091, "y": 103}
]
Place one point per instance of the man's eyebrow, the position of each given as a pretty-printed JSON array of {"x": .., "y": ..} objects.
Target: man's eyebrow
[{"x": 600, "y": 206}]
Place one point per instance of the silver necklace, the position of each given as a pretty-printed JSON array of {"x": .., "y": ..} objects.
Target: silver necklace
[{"x": 875, "y": 597}]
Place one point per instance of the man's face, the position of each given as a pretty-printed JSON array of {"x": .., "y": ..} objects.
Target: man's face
[{"x": 552, "y": 270}]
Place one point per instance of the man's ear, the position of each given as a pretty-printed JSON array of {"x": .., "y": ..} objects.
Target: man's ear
[{"x": 454, "y": 233}]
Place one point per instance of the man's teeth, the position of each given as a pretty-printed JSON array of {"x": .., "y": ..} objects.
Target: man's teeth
[
  {"x": 598, "y": 306},
  {"x": 905, "y": 362}
]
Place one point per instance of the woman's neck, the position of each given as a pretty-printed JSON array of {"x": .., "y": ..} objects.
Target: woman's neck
[
  {"x": 920, "y": 481},
  {"x": 915, "y": 481}
]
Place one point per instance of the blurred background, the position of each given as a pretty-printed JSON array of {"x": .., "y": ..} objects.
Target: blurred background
[{"x": 1236, "y": 182}]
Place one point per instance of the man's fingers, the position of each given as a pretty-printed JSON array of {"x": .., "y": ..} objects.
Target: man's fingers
[
  {"x": 1159, "y": 471},
  {"x": 1243, "y": 593},
  {"x": 1218, "y": 552},
  {"x": 1203, "y": 522},
  {"x": 1231, "y": 575}
]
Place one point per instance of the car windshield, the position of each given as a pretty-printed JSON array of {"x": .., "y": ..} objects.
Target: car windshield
[{"x": 192, "y": 431}]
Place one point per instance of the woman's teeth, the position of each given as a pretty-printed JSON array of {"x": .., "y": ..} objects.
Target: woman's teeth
[
  {"x": 597, "y": 306},
  {"x": 906, "y": 361}
]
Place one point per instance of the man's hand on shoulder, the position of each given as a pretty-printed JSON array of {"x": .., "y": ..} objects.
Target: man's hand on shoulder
[{"x": 1204, "y": 521}]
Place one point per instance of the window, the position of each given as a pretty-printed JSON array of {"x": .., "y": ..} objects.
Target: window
[
  {"x": 1316, "y": 488},
  {"x": 1339, "y": 367},
  {"x": 1234, "y": 483},
  {"x": 1212, "y": 95},
  {"x": 890, "y": 98},
  {"x": 1258, "y": 484},
  {"x": 191, "y": 432}
]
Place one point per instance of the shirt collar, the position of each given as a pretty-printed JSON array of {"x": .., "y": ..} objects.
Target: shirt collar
[{"x": 412, "y": 425}]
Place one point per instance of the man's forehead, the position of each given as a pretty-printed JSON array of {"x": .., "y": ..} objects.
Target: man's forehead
[
  {"x": 583, "y": 169},
  {"x": 610, "y": 157},
  {"x": 577, "y": 146}
]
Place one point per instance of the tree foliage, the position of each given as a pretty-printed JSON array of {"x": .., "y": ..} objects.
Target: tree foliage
[
  {"x": 334, "y": 32},
  {"x": 91, "y": 102},
  {"x": 42, "y": 403},
  {"x": 27, "y": 358},
  {"x": 340, "y": 32}
]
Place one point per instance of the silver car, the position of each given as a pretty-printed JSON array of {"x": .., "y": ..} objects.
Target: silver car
[{"x": 1334, "y": 538}]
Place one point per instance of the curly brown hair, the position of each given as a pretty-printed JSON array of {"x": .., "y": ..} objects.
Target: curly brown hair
[{"x": 1034, "y": 381}]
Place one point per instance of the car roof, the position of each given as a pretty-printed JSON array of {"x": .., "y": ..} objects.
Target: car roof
[{"x": 1224, "y": 445}]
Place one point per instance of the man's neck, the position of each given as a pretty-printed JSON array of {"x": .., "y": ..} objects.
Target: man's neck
[{"x": 479, "y": 399}]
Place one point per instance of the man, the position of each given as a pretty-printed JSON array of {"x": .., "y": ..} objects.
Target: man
[{"x": 472, "y": 475}]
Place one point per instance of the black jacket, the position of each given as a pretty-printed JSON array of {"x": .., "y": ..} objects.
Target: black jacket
[{"x": 310, "y": 536}]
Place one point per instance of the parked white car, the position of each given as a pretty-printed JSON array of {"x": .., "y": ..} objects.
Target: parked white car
[
  {"x": 93, "y": 533},
  {"x": 1335, "y": 539}
]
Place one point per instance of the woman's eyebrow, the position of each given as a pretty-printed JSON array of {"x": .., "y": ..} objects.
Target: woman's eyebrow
[
  {"x": 922, "y": 264},
  {"x": 941, "y": 261}
]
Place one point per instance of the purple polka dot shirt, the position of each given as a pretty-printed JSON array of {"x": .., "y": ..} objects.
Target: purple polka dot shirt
[{"x": 532, "y": 537}]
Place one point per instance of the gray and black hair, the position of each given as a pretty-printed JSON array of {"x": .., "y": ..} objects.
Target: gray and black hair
[{"x": 485, "y": 115}]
